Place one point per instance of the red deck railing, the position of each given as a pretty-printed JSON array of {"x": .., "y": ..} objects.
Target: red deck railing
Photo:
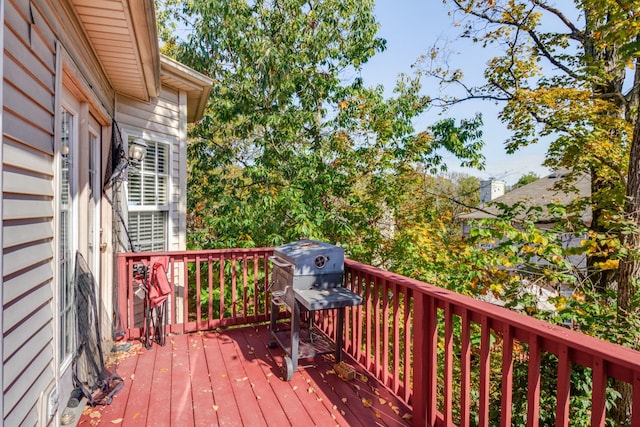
[{"x": 432, "y": 347}]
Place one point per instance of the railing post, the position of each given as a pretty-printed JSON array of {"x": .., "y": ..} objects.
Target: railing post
[
  {"x": 425, "y": 330},
  {"x": 124, "y": 318}
]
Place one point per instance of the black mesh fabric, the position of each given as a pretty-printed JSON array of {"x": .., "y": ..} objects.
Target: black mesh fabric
[{"x": 90, "y": 374}]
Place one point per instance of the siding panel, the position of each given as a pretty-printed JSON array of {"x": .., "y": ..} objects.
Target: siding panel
[
  {"x": 27, "y": 183},
  {"x": 34, "y": 380},
  {"x": 30, "y": 134},
  {"x": 19, "y": 156},
  {"x": 17, "y": 208},
  {"x": 15, "y": 313},
  {"x": 24, "y": 232},
  {"x": 39, "y": 320}
]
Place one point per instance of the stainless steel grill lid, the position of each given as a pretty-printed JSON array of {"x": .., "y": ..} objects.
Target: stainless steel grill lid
[{"x": 311, "y": 257}]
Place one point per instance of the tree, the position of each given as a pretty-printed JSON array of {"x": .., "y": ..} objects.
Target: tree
[
  {"x": 565, "y": 79},
  {"x": 525, "y": 179},
  {"x": 293, "y": 144}
]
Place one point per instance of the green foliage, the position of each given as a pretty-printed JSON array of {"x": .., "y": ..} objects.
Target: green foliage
[
  {"x": 525, "y": 179},
  {"x": 292, "y": 144}
]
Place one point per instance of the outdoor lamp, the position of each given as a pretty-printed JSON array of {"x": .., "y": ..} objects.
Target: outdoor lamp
[{"x": 137, "y": 150}]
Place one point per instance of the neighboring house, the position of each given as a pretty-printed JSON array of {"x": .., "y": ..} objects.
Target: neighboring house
[
  {"x": 538, "y": 194},
  {"x": 74, "y": 72}
]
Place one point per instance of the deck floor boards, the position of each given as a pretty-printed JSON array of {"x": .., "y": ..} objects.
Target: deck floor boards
[{"x": 232, "y": 378}]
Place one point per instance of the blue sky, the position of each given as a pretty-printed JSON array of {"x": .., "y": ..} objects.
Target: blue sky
[{"x": 411, "y": 28}]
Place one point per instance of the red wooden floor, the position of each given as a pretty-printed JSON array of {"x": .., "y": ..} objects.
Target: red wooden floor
[{"x": 232, "y": 378}]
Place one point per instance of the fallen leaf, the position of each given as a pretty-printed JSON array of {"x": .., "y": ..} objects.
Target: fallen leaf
[
  {"x": 396, "y": 410},
  {"x": 342, "y": 412},
  {"x": 116, "y": 421},
  {"x": 344, "y": 400},
  {"x": 382, "y": 401},
  {"x": 95, "y": 414},
  {"x": 367, "y": 403},
  {"x": 136, "y": 415},
  {"x": 132, "y": 376},
  {"x": 310, "y": 390},
  {"x": 215, "y": 408},
  {"x": 407, "y": 416},
  {"x": 356, "y": 386},
  {"x": 378, "y": 415}
]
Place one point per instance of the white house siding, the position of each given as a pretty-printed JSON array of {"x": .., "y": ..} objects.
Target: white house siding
[
  {"x": 32, "y": 33},
  {"x": 28, "y": 212},
  {"x": 160, "y": 120}
]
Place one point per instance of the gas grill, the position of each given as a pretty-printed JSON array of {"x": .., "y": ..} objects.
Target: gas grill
[{"x": 307, "y": 276}]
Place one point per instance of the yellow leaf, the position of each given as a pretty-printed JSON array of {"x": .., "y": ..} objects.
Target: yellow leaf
[
  {"x": 382, "y": 401},
  {"x": 215, "y": 408},
  {"x": 367, "y": 403},
  {"x": 344, "y": 400},
  {"x": 407, "y": 416},
  {"x": 378, "y": 415},
  {"x": 310, "y": 390},
  {"x": 116, "y": 421}
]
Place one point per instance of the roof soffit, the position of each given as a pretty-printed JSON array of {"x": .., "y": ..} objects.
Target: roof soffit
[{"x": 124, "y": 37}]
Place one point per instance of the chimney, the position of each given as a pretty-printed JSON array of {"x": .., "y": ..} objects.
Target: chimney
[{"x": 491, "y": 189}]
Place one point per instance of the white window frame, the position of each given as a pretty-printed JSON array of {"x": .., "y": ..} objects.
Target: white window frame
[
  {"x": 72, "y": 106},
  {"x": 165, "y": 209},
  {"x": 94, "y": 145}
]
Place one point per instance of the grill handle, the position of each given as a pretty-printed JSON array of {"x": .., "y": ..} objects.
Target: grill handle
[{"x": 277, "y": 261}]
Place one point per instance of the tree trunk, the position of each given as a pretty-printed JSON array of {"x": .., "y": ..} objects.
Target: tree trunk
[{"x": 629, "y": 268}]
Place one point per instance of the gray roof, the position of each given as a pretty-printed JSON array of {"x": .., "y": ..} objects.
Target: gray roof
[{"x": 541, "y": 192}]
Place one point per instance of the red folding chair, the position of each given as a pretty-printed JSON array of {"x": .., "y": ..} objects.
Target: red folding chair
[{"x": 158, "y": 290}]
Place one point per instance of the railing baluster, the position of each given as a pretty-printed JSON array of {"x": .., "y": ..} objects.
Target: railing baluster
[
  {"x": 533, "y": 398},
  {"x": 507, "y": 377},
  {"x": 465, "y": 370},
  {"x": 210, "y": 290},
  {"x": 564, "y": 387},
  {"x": 395, "y": 386},
  {"x": 409, "y": 350},
  {"x": 197, "y": 296},
  {"x": 485, "y": 370},
  {"x": 448, "y": 364},
  {"x": 256, "y": 290},
  {"x": 635, "y": 409},
  {"x": 234, "y": 289},
  {"x": 385, "y": 333},
  {"x": 599, "y": 393},
  {"x": 378, "y": 346},
  {"x": 221, "y": 297},
  {"x": 185, "y": 297}
]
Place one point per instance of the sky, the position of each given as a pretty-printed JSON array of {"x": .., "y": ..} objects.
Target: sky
[{"x": 411, "y": 28}]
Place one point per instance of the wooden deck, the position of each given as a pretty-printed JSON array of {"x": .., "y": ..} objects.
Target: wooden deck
[{"x": 231, "y": 377}]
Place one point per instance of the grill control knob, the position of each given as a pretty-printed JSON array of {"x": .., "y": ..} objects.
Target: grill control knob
[{"x": 320, "y": 261}]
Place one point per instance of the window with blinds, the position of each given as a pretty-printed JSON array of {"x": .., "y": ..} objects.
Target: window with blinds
[{"x": 148, "y": 198}]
